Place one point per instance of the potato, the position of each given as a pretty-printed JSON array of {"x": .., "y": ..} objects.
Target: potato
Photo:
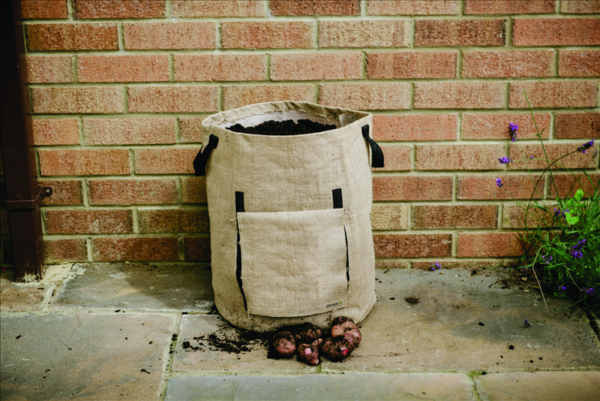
[
  {"x": 337, "y": 348},
  {"x": 283, "y": 345},
  {"x": 318, "y": 343},
  {"x": 345, "y": 326},
  {"x": 308, "y": 354},
  {"x": 307, "y": 333}
]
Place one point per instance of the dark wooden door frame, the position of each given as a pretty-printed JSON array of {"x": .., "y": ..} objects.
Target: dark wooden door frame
[{"x": 23, "y": 192}]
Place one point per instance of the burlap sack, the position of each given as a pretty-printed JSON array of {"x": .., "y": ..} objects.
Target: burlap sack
[{"x": 290, "y": 221}]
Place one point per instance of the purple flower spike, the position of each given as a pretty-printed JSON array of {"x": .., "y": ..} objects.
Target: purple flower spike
[
  {"x": 531, "y": 157},
  {"x": 436, "y": 266},
  {"x": 591, "y": 291},
  {"x": 499, "y": 183},
  {"x": 583, "y": 148},
  {"x": 561, "y": 288},
  {"x": 513, "y": 127},
  {"x": 505, "y": 160}
]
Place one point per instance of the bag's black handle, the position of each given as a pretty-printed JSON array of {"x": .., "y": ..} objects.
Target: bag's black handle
[
  {"x": 376, "y": 152},
  {"x": 203, "y": 155}
]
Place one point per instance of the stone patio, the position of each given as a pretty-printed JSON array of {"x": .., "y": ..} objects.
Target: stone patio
[{"x": 139, "y": 332}]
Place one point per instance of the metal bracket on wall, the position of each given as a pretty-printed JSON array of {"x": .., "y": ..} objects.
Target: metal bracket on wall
[{"x": 31, "y": 203}]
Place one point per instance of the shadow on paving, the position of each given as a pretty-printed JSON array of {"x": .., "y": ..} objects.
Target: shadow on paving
[{"x": 137, "y": 287}]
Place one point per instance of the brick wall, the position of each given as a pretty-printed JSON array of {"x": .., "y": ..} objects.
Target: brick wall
[{"x": 118, "y": 90}]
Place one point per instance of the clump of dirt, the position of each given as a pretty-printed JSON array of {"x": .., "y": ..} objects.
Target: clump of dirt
[
  {"x": 227, "y": 339},
  {"x": 283, "y": 128},
  {"x": 412, "y": 300}
]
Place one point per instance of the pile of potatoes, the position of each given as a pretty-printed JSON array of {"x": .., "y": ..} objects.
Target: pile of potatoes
[{"x": 309, "y": 342}]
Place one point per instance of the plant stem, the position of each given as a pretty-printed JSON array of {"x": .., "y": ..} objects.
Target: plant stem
[{"x": 539, "y": 285}]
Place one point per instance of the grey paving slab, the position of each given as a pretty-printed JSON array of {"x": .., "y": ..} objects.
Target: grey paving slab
[
  {"x": 467, "y": 323},
  {"x": 203, "y": 355},
  {"x": 460, "y": 323},
  {"x": 20, "y": 298},
  {"x": 83, "y": 357},
  {"x": 539, "y": 386},
  {"x": 323, "y": 387},
  {"x": 137, "y": 287}
]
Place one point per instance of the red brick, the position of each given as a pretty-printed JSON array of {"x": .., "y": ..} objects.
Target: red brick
[
  {"x": 106, "y": 9},
  {"x": 554, "y": 94},
  {"x": 196, "y": 248},
  {"x": 90, "y": 100},
  {"x": 489, "y": 245},
  {"x": 135, "y": 249},
  {"x": 238, "y": 96},
  {"x": 170, "y": 35},
  {"x": 412, "y": 188},
  {"x": 64, "y": 192},
  {"x": 554, "y": 151},
  {"x": 391, "y": 264},
  {"x": 502, "y": 64},
  {"x": 72, "y": 37},
  {"x": 407, "y": 65},
  {"x": 132, "y": 192},
  {"x": 381, "y": 96},
  {"x": 514, "y": 216},
  {"x": 568, "y": 184},
  {"x": 577, "y": 125},
  {"x": 172, "y": 99},
  {"x": 44, "y": 9},
  {"x": 364, "y": 33},
  {"x": 84, "y": 162},
  {"x": 579, "y": 63},
  {"x": 89, "y": 221},
  {"x": 458, "y": 157},
  {"x": 496, "y": 126},
  {"x": 220, "y": 67},
  {"x": 267, "y": 34},
  {"x": 459, "y": 95},
  {"x": 471, "y": 32},
  {"x": 190, "y": 129},
  {"x": 128, "y": 131},
  {"x": 408, "y": 7},
  {"x": 412, "y": 245},
  {"x": 193, "y": 190},
  {"x": 165, "y": 160},
  {"x": 138, "y": 68},
  {"x": 556, "y": 31},
  {"x": 483, "y": 187},
  {"x": 414, "y": 128},
  {"x": 55, "y": 131},
  {"x": 65, "y": 250},
  {"x": 509, "y": 7},
  {"x": 218, "y": 8},
  {"x": 315, "y": 66},
  {"x": 450, "y": 216},
  {"x": 389, "y": 217},
  {"x": 580, "y": 7},
  {"x": 397, "y": 158},
  {"x": 315, "y": 7},
  {"x": 47, "y": 70},
  {"x": 174, "y": 221}
]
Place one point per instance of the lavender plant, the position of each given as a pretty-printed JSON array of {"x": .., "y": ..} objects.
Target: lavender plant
[{"x": 563, "y": 248}]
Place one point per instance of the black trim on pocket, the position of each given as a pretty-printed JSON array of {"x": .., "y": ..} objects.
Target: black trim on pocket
[
  {"x": 239, "y": 208},
  {"x": 338, "y": 203}
]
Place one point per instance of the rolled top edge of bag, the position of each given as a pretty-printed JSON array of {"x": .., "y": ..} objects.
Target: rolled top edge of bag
[{"x": 332, "y": 115}]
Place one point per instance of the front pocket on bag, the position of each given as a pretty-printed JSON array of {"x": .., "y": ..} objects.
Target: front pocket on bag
[{"x": 293, "y": 263}]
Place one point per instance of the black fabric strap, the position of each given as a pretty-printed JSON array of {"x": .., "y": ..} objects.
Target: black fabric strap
[
  {"x": 376, "y": 152},
  {"x": 202, "y": 156},
  {"x": 338, "y": 203},
  {"x": 239, "y": 208}
]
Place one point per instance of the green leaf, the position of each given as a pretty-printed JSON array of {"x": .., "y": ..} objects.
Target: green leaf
[
  {"x": 561, "y": 294},
  {"x": 578, "y": 195},
  {"x": 572, "y": 220}
]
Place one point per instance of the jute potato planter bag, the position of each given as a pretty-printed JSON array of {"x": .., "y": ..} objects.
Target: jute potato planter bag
[{"x": 290, "y": 222}]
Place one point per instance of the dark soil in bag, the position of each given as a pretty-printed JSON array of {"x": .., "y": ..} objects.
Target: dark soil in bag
[{"x": 283, "y": 128}]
